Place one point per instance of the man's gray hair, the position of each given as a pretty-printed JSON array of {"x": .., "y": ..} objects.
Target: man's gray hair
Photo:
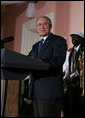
[{"x": 49, "y": 20}]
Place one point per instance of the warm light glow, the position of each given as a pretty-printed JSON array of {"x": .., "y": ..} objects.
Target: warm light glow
[{"x": 83, "y": 25}]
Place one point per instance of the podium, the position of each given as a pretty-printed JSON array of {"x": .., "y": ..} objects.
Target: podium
[{"x": 16, "y": 66}]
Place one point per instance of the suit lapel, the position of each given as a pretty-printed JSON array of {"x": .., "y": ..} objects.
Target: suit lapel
[{"x": 45, "y": 45}]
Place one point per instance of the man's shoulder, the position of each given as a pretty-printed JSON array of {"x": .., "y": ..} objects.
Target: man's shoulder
[{"x": 57, "y": 36}]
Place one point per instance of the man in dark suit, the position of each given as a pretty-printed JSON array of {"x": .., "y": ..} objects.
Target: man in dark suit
[{"x": 47, "y": 89}]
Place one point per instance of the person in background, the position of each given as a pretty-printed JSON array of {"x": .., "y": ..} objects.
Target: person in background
[
  {"x": 74, "y": 78},
  {"x": 66, "y": 71},
  {"x": 47, "y": 91},
  {"x": 26, "y": 109}
]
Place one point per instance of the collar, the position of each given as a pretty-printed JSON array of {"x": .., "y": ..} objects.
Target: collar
[
  {"x": 77, "y": 48},
  {"x": 43, "y": 38}
]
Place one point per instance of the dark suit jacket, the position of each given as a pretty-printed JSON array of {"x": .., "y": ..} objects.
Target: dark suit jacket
[{"x": 49, "y": 85}]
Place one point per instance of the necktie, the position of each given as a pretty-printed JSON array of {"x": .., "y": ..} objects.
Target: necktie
[{"x": 40, "y": 46}]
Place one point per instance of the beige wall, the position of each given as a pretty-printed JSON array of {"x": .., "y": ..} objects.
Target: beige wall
[{"x": 68, "y": 18}]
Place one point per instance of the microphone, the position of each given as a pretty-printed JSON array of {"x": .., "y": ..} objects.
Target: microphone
[
  {"x": 11, "y": 38},
  {"x": 8, "y": 39}
]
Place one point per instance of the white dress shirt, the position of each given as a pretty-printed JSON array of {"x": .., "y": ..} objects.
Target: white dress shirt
[{"x": 43, "y": 38}]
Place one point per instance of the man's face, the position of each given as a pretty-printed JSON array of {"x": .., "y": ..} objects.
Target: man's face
[
  {"x": 43, "y": 26},
  {"x": 76, "y": 40}
]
